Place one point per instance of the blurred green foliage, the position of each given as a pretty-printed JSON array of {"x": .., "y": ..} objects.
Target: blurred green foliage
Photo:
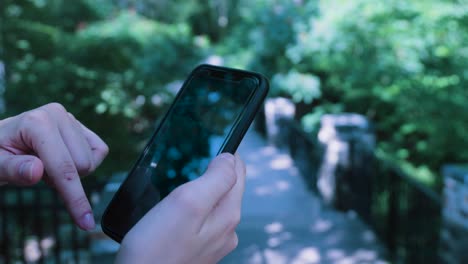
[
  {"x": 109, "y": 69},
  {"x": 402, "y": 63}
]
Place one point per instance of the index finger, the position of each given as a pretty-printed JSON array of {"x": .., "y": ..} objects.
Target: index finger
[{"x": 47, "y": 142}]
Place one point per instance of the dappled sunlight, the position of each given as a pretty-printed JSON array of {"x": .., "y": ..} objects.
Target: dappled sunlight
[
  {"x": 275, "y": 257},
  {"x": 284, "y": 223},
  {"x": 282, "y": 185},
  {"x": 47, "y": 244},
  {"x": 260, "y": 153},
  {"x": 263, "y": 191},
  {"x": 274, "y": 242},
  {"x": 273, "y": 228},
  {"x": 335, "y": 254},
  {"x": 276, "y": 188},
  {"x": 32, "y": 251},
  {"x": 252, "y": 172},
  {"x": 279, "y": 239},
  {"x": 321, "y": 226},
  {"x": 365, "y": 255},
  {"x": 281, "y": 162},
  {"x": 35, "y": 249},
  {"x": 307, "y": 255},
  {"x": 255, "y": 258},
  {"x": 334, "y": 238},
  {"x": 268, "y": 151}
]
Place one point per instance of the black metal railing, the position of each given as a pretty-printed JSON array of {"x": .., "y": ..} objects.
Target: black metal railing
[
  {"x": 404, "y": 213},
  {"x": 36, "y": 228},
  {"x": 306, "y": 152}
]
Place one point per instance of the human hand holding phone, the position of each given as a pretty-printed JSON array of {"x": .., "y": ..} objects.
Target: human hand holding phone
[
  {"x": 210, "y": 115},
  {"x": 195, "y": 223}
]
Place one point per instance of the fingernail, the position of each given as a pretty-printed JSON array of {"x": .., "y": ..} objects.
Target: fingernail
[
  {"x": 227, "y": 156},
  {"x": 87, "y": 222},
  {"x": 26, "y": 170}
]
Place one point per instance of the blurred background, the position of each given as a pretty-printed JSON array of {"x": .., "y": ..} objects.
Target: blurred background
[{"x": 365, "y": 131}]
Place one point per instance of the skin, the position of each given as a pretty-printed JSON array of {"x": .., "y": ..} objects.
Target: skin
[
  {"x": 203, "y": 216},
  {"x": 49, "y": 143},
  {"x": 194, "y": 224}
]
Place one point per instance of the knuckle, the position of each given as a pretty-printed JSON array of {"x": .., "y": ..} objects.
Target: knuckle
[
  {"x": 104, "y": 150},
  {"x": 183, "y": 198},
  {"x": 68, "y": 171},
  {"x": 34, "y": 118},
  {"x": 236, "y": 218},
  {"x": 84, "y": 167},
  {"x": 79, "y": 203},
  {"x": 234, "y": 242},
  {"x": 72, "y": 116},
  {"x": 100, "y": 152},
  {"x": 231, "y": 177},
  {"x": 233, "y": 221},
  {"x": 56, "y": 107}
]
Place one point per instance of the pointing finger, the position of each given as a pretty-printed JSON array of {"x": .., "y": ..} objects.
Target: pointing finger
[{"x": 45, "y": 139}]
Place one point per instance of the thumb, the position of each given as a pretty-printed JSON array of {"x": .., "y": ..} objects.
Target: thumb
[
  {"x": 20, "y": 169},
  {"x": 219, "y": 178}
]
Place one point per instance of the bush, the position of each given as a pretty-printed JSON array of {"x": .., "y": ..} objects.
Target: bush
[
  {"x": 110, "y": 72},
  {"x": 400, "y": 63}
]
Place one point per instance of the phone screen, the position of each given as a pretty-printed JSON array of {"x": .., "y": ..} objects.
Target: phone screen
[{"x": 196, "y": 129}]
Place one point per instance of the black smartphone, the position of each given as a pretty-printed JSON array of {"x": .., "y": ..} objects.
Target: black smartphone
[{"x": 210, "y": 115}]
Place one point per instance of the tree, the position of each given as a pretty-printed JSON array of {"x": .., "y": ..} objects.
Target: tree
[
  {"x": 402, "y": 64},
  {"x": 111, "y": 71}
]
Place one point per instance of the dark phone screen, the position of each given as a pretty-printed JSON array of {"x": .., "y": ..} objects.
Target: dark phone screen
[{"x": 193, "y": 132}]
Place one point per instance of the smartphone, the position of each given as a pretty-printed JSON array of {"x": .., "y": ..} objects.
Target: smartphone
[{"x": 210, "y": 115}]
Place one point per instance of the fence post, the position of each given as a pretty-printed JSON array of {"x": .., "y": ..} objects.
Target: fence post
[
  {"x": 392, "y": 219},
  {"x": 345, "y": 172},
  {"x": 454, "y": 228},
  {"x": 278, "y": 111}
]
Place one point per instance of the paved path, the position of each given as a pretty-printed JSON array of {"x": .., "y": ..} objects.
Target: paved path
[{"x": 283, "y": 222}]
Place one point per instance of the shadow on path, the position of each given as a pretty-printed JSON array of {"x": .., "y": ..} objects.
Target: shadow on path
[{"x": 283, "y": 222}]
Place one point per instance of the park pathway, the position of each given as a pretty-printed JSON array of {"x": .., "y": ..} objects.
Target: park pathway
[{"x": 282, "y": 222}]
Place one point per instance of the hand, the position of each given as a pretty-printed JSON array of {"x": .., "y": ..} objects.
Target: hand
[
  {"x": 193, "y": 224},
  {"x": 49, "y": 138}
]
